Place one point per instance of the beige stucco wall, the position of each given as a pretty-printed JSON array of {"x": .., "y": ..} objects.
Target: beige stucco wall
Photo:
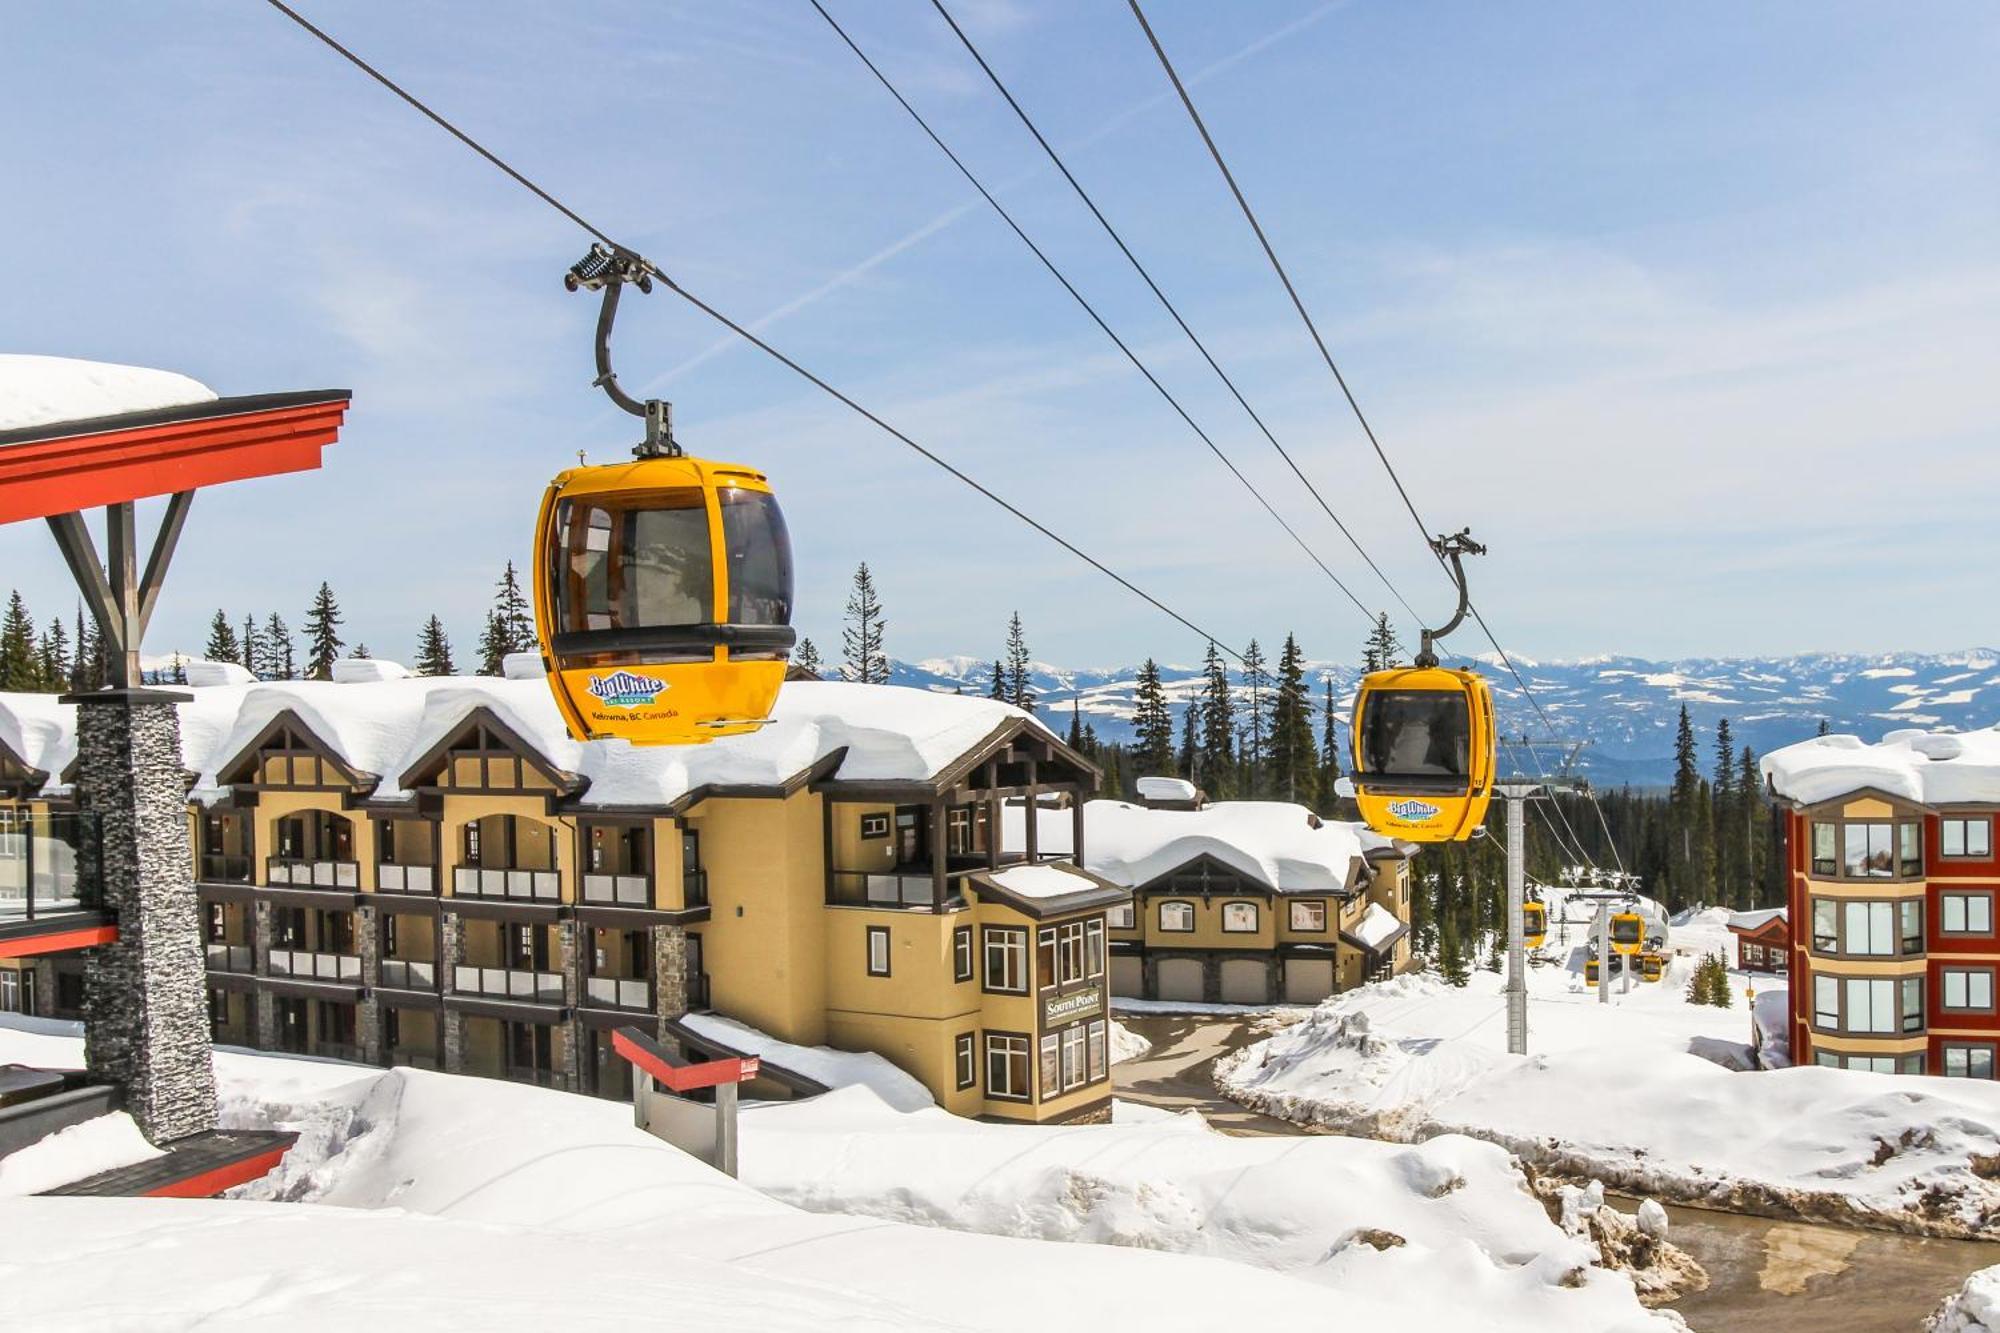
[{"x": 764, "y": 945}]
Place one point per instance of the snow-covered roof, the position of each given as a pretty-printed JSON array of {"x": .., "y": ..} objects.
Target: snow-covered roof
[
  {"x": 379, "y": 720},
  {"x": 1929, "y": 768},
  {"x": 1167, "y": 789},
  {"x": 1280, "y": 845},
  {"x": 1042, "y": 881},
  {"x": 1755, "y": 920},
  {"x": 1377, "y": 925},
  {"x": 38, "y": 731},
  {"x": 45, "y": 390}
]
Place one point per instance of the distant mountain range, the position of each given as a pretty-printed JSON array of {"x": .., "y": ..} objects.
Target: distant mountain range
[{"x": 1626, "y": 707}]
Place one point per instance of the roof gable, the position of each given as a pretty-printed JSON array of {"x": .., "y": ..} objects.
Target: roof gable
[
  {"x": 288, "y": 745},
  {"x": 464, "y": 759}
]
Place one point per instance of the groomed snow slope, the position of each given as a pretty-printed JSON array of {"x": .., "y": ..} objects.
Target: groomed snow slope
[
  {"x": 427, "y": 1200},
  {"x": 1617, "y": 1092},
  {"x": 44, "y": 390}
]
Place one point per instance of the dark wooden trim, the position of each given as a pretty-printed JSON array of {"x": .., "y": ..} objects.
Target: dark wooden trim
[
  {"x": 303, "y": 989},
  {"x": 568, "y": 785},
  {"x": 1102, "y": 893},
  {"x": 397, "y": 998},
  {"x": 289, "y": 719},
  {"x": 506, "y": 909},
  {"x": 636, "y": 918}
]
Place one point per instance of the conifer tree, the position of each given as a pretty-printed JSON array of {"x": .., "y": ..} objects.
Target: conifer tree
[
  {"x": 55, "y": 657},
  {"x": 434, "y": 650},
  {"x": 1823, "y": 728},
  {"x": 510, "y": 626},
  {"x": 20, "y": 663},
  {"x": 253, "y": 647},
  {"x": 1218, "y": 725},
  {"x": 360, "y": 653},
  {"x": 323, "y": 641},
  {"x": 1451, "y": 956},
  {"x": 1020, "y": 673},
  {"x": 222, "y": 645},
  {"x": 1152, "y": 723},
  {"x": 1731, "y": 878},
  {"x": 1329, "y": 747},
  {"x": 1189, "y": 759},
  {"x": 278, "y": 644},
  {"x": 1294, "y": 758},
  {"x": 1075, "y": 737},
  {"x": 1756, "y": 832},
  {"x": 867, "y": 660},
  {"x": 83, "y": 671},
  {"x": 1383, "y": 649},
  {"x": 1256, "y": 682},
  {"x": 998, "y": 688},
  {"x": 806, "y": 657}
]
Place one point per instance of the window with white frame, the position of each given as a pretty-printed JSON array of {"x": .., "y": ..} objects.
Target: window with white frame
[
  {"x": 1007, "y": 960},
  {"x": 1965, "y": 913},
  {"x": 1971, "y": 838},
  {"x": 961, "y": 954},
  {"x": 1239, "y": 918},
  {"x": 1122, "y": 917},
  {"x": 1069, "y": 956},
  {"x": 1177, "y": 917},
  {"x": 878, "y": 951},
  {"x": 1051, "y": 1064},
  {"x": 1007, "y": 1067},
  {"x": 1074, "y": 1072},
  {"x": 1093, "y": 948},
  {"x": 1968, "y": 1060},
  {"x": 1099, "y": 1034},
  {"x": 1308, "y": 914},
  {"x": 1967, "y": 989}
]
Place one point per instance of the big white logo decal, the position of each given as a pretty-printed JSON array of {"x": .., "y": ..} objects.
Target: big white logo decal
[{"x": 625, "y": 689}]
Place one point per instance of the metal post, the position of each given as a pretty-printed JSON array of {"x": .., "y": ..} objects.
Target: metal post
[
  {"x": 1517, "y": 952},
  {"x": 1604, "y": 953},
  {"x": 725, "y": 1128}
]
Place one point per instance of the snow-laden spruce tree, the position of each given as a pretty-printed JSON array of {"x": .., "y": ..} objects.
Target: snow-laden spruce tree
[
  {"x": 434, "y": 650},
  {"x": 867, "y": 660},
  {"x": 323, "y": 641},
  {"x": 222, "y": 645}
]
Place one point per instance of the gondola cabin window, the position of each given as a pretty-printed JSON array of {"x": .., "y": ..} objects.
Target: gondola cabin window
[
  {"x": 1417, "y": 733},
  {"x": 627, "y": 561}
]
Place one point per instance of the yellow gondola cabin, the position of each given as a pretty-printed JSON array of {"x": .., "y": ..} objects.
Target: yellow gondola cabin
[
  {"x": 1534, "y": 924},
  {"x": 1628, "y": 932},
  {"x": 1423, "y": 752},
  {"x": 1652, "y": 966},
  {"x": 663, "y": 597}
]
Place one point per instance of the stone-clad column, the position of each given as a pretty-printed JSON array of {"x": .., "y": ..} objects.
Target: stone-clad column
[
  {"x": 368, "y": 1013},
  {"x": 451, "y": 1027},
  {"x": 263, "y": 1005},
  {"x": 146, "y": 996},
  {"x": 670, "y": 978},
  {"x": 571, "y": 940}
]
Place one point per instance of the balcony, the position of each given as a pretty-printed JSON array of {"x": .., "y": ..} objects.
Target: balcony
[
  {"x": 508, "y": 984},
  {"x": 406, "y": 879},
  {"x": 893, "y": 888},
  {"x": 47, "y": 864},
  {"x": 619, "y": 890},
  {"x": 231, "y": 958},
  {"x": 224, "y": 868},
  {"x": 281, "y": 870},
  {"x": 542, "y": 886},
  {"x": 619, "y": 993},
  {"x": 408, "y": 974},
  {"x": 694, "y": 888},
  {"x": 343, "y": 967}
]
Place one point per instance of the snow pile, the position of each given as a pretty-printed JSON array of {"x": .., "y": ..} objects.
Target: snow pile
[
  {"x": 822, "y": 1064},
  {"x": 1973, "y": 1308},
  {"x": 1283, "y": 846},
  {"x": 1042, "y": 881},
  {"x": 1925, "y": 767},
  {"x": 1377, "y": 924},
  {"x": 1616, "y": 1092},
  {"x": 421, "y": 1188},
  {"x": 45, "y": 390},
  {"x": 38, "y": 731},
  {"x": 365, "y": 670},
  {"x": 1347, "y": 1213},
  {"x": 104, "y": 1143},
  {"x": 1771, "y": 1011},
  {"x": 1126, "y": 1044}
]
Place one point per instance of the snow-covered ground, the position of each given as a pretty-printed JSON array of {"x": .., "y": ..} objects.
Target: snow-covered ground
[
  {"x": 1973, "y": 1308},
  {"x": 1643, "y": 1093},
  {"x": 422, "y": 1199}
]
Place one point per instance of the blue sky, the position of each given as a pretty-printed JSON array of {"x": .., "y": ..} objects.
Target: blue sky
[{"x": 1691, "y": 311}]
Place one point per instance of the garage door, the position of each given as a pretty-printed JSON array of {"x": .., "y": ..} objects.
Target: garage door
[
  {"x": 1245, "y": 981},
  {"x": 1128, "y": 975},
  {"x": 1308, "y": 980},
  {"x": 1180, "y": 979}
]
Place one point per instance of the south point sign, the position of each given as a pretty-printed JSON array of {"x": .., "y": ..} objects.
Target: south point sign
[{"x": 1058, "y": 1007}]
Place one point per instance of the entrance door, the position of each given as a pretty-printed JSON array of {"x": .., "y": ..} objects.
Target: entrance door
[{"x": 909, "y": 835}]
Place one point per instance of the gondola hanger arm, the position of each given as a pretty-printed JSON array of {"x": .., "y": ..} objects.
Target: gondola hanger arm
[
  {"x": 608, "y": 269},
  {"x": 1452, "y": 550}
]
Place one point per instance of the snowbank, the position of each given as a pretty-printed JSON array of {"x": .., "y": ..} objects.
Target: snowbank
[
  {"x": 1973, "y": 1308},
  {"x": 101, "y": 1144},
  {"x": 44, "y": 390},
  {"x": 1617, "y": 1093},
  {"x": 417, "y": 1192},
  {"x": 1283, "y": 846},
  {"x": 1930, "y": 768},
  {"x": 1126, "y": 1044}
]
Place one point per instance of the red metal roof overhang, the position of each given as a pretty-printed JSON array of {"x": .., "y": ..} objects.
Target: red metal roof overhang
[{"x": 74, "y": 465}]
